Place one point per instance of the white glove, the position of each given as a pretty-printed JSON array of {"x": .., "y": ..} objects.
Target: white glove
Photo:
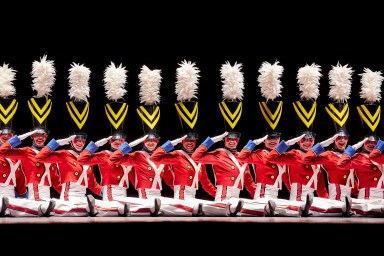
[
  {"x": 138, "y": 141},
  {"x": 294, "y": 140},
  {"x": 258, "y": 141},
  {"x": 329, "y": 141},
  {"x": 359, "y": 144},
  {"x": 177, "y": 141},
  {"x": 219, "y": 137},
  {"x": 65, "y": 141},
  {"x": 102, "y": 142},
  {"x": 26, "y": 135}
]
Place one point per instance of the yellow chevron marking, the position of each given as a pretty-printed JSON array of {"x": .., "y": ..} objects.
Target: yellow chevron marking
[
  {"x": 368, "y": 118},
  {"x": 119, "y": 117},
  {"x": 148, "y": 118},
  {"x": 300, "y": 110},
  {"x": 271, "y": 119},
  {"x": 13, "y": 106},
  {"x": 191, "y": 115},
  {"x": 46, "y": 109},
  {"x": 339, "y": 119},
  {"x": 228, "y": 116},
  {"x": 78, "y": 118}
]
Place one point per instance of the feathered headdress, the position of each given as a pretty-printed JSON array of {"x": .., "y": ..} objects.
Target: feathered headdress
[
  {"x": 370, "y": 92},
  {"x": 233, "y": 81},
  {"x": 149, "y": 93},
  {"x": 269, "y": 80},
  {"x": 340, "y": 88},
  {"x": 308, "y": 78},
  {"x": 7, "y": 104},
  {"x": 231, "y": 107},
  {"x": 340, "y": 81},
  {"x": 270, "y": 86},
  {"x": 187, "y": 78},
  {"x": 78, "y": 106},
  {"x": 43, "y": 74},
  {"x": 115, "y": 79},
  {"x": 7, "y": 76},
  {"x": 371, "y": 86}
]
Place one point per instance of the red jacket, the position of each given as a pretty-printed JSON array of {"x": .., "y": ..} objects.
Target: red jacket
[
  {"x": 183, "y": 170},
  {"x": 298, "y": 171},
  {"x": 144, "y": 172},
  {"x": 70, "y": 169},
  {"x": 111, "y": 173},
  {"x": 366, "y": 168},
  {"x": 266, "y": 172},
  {"x": 33, "y": 168},
  {"x": 225, "y": 170},
  {"x": 329, "y": 159},
  {"x": 5, "y": 171}
]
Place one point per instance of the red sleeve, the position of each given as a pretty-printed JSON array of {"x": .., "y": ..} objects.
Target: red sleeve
[
  {"x": 45, "y": 155},
  {"x": 86, "y": 158},
  {"x": 131, "y": 176},
  {"x": 377, "y": 156},
  {"x": 243, "y": 154},
  {"x": 118, "y": 157},
  {"x": 311, "y": 158},
  {"x": 206, "y": 183},
  {"x": 201, "y": 155},
  {"x": 168, "y": 176},
  {"x": 13, "y": 153},
  {"x": 285, "y": 178},
  {"x": 161, "y": 156},
  {"x": 92, "y": 182},
  {"x": 21, "y": 183},
  {"x": 345, "y": 161},
  {"x": 321, "y": 190},
  {"x": 288, "y": 157},
  {"x": 55, "y": 178},
  {"x": 249, "y": 183}
]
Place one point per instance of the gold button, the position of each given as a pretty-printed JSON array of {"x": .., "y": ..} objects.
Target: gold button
[
  {"x": 233, "y": 167},
  {"x": 118, "y": 177},
  {"x": 306, "y": 166},
  {"x": 162, "y": 170},
  {"x": 74, "y": 163},
  {"x": 307, "y": 177},
  {"x": 151, "y": 179},
  {"x": 116, "y": 165},
  {"x": 37, "y": 164},
  {"x": 345, "y": 176},
  {"x": 4, "y": 175},
  {"x": 52, "y": 167},
  {"x": 76, "y": 173},
  {"x": 38, "y": 174},
  {"x": 375, "y": 168},
  {"x": 90, "y": 167},
  {"x": 375, "y": 179},
  {"x": 190, "y": 177},
  {"x": 149, "y": 168},
  {"x": 188, "y": 166},
  {"x": 272, "y": 176},
  {"x": 273, "y": 166},
  {"x": 4, "y": 164},
  {"x": 232, "y": 178}
]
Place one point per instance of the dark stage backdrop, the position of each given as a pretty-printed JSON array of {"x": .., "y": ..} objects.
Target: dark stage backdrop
[{"x": 163, "y": 49}]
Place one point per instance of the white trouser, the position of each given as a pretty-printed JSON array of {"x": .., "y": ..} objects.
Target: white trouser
[
  {"x": 368, "y": 207},
  {"x": 228, "y": 194},
  {"x": 39, "y": 192},
  {"x": 7, "y": 190},
  {"x": 338, "y": 192},
  {"x": 22, "y": 207},
  {"x": 371, "y": 193}
]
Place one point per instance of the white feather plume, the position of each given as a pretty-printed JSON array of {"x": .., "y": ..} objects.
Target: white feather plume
[
  {"x": 43, "y": 73},
  {"x": 269, "y": 80},
  {"x": 7, "y": 75},
  {"x": 79, "y": 82},
  {"x": 308, "y": 78},
  {"x": 187, "y": 76},
  {"x": 115, "y": 79},
  {"x": 340, "y": 83},
  {"x": 370, "y": 86},
  {"x": 149, "y": 85},
  {"x": 233, "y": 81}
]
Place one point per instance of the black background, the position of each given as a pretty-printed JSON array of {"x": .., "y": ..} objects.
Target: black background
[{"x": 209, "y": 37}]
